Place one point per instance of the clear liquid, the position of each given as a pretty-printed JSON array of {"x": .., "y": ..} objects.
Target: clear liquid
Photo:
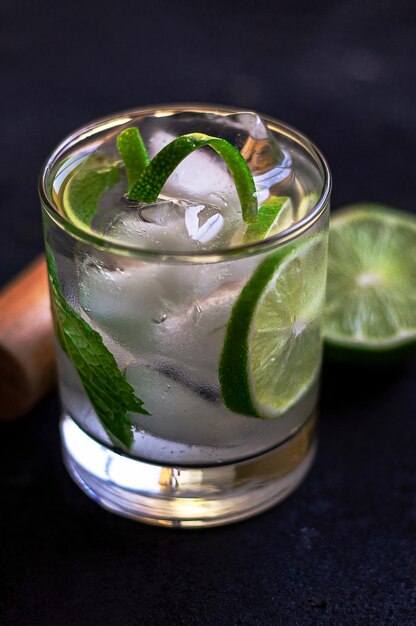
[{"x": 165, "y": 322}]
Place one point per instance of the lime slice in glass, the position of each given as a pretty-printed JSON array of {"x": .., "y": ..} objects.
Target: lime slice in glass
[
  {"x": 306, "y": 205},
  {"x": 85, "y": 188},
  {"x": 275, "y": 215},
  {"x": 270, "y": 219},
  {"x": 371, "y": 292},
  {"x": 272, "y": 346}
]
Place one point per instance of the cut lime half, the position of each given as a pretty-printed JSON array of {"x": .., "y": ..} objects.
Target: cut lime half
[
  {"x": 272, "y": 346},
  {"x": 371, "y": 291}
]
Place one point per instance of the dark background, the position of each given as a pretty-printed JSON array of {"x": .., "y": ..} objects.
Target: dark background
[{"x": 342, "y": 549}]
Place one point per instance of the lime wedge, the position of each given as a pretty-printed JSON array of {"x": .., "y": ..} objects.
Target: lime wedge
[
  {"x": 272, "y": 346},
  {"x": 371, "y": 293},
  {"x": 268, "y": 220}
]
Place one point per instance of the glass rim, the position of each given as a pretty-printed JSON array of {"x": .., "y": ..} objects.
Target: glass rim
[{"x": 114, "y": 246}]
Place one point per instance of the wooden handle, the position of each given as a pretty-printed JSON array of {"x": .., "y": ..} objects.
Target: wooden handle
[{"x": 27, "y": 353}]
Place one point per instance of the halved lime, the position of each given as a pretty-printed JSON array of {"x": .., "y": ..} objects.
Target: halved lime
[
  {"x": 371, "y": 292},
  {"x": 272, "y": 346}
]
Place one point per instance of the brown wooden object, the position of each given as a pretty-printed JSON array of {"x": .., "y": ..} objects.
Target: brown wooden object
[{"x": 27, "y": 353}]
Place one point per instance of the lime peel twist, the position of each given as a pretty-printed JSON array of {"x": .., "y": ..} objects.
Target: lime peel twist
[
  {"x": 152, "y": 178},
  {"x": 134, "y": 154}
]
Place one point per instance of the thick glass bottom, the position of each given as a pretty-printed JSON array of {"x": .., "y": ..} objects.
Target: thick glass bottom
[{"x": 187, "y": 497}]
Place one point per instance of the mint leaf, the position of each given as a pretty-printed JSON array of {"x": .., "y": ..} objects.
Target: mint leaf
[
  {"x": 110, "y": 394},
  {"x": 133, "y": 152},
  {"x": 85, "y": 188},
  {"x": 150, "y": 182}
]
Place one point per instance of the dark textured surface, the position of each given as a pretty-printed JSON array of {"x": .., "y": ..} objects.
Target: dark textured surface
[{"x": 342, "y": 550}]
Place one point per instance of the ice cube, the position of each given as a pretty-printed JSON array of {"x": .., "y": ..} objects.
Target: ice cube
[
  {"x": 203, "y": 175},
  {"x": 163, "y": 311},
  {"x": 201, "y": 179},
  {"x": 129, "y": 302},
  {"x": 168, "y": 225},
  {"x": 260, "y": 149},
  {"x": 202, "y": 231},
  {"x": 180, "y": 414}
]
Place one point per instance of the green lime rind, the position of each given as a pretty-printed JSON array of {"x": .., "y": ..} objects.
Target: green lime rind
[
  {"x": 267, "y": 219},
  {"x": 272, "y": 347},
  {"x": 363, "y": 356},
  {"x": 232, "y": 371},
  {"x": 151, "y": 181},
  {"x": 134, "y": 154},
  {"x": 85, "y": 189},
  {"x": 110, "y": 394},
  {"x": 371, "y": 289}
]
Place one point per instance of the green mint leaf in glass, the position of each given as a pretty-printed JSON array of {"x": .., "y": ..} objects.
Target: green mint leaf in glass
[
  {"x": 110, "y": 394},
  {"x": 150, "y": 182},
  {"x": 86, "y": 187},
  {"x": 134, "y": 154}
]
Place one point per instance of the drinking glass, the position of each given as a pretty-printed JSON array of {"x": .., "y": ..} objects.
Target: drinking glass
[{"x": 163, "y": 315}]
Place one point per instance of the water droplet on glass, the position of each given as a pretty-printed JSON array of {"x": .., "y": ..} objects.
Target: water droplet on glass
[
  {"x": 196, "y": 313},
  {"x": 159, "y": 319}
]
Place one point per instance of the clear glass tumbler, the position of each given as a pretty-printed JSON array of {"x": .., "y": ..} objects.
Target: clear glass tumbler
[{"x": 171, "y": 324}]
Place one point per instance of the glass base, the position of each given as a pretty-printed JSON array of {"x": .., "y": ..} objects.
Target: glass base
[{"x": 187, "y": 497}]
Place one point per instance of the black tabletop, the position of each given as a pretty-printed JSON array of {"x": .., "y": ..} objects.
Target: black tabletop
[{"x": 342, "y": 549}]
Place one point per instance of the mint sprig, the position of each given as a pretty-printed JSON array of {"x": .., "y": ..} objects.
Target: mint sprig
[
  {"x": 110, "y": 394},
  {"x": 150, "y": 182}
]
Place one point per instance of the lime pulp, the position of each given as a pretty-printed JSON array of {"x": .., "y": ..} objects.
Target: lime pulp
[{"x": 371, "y": 291}]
